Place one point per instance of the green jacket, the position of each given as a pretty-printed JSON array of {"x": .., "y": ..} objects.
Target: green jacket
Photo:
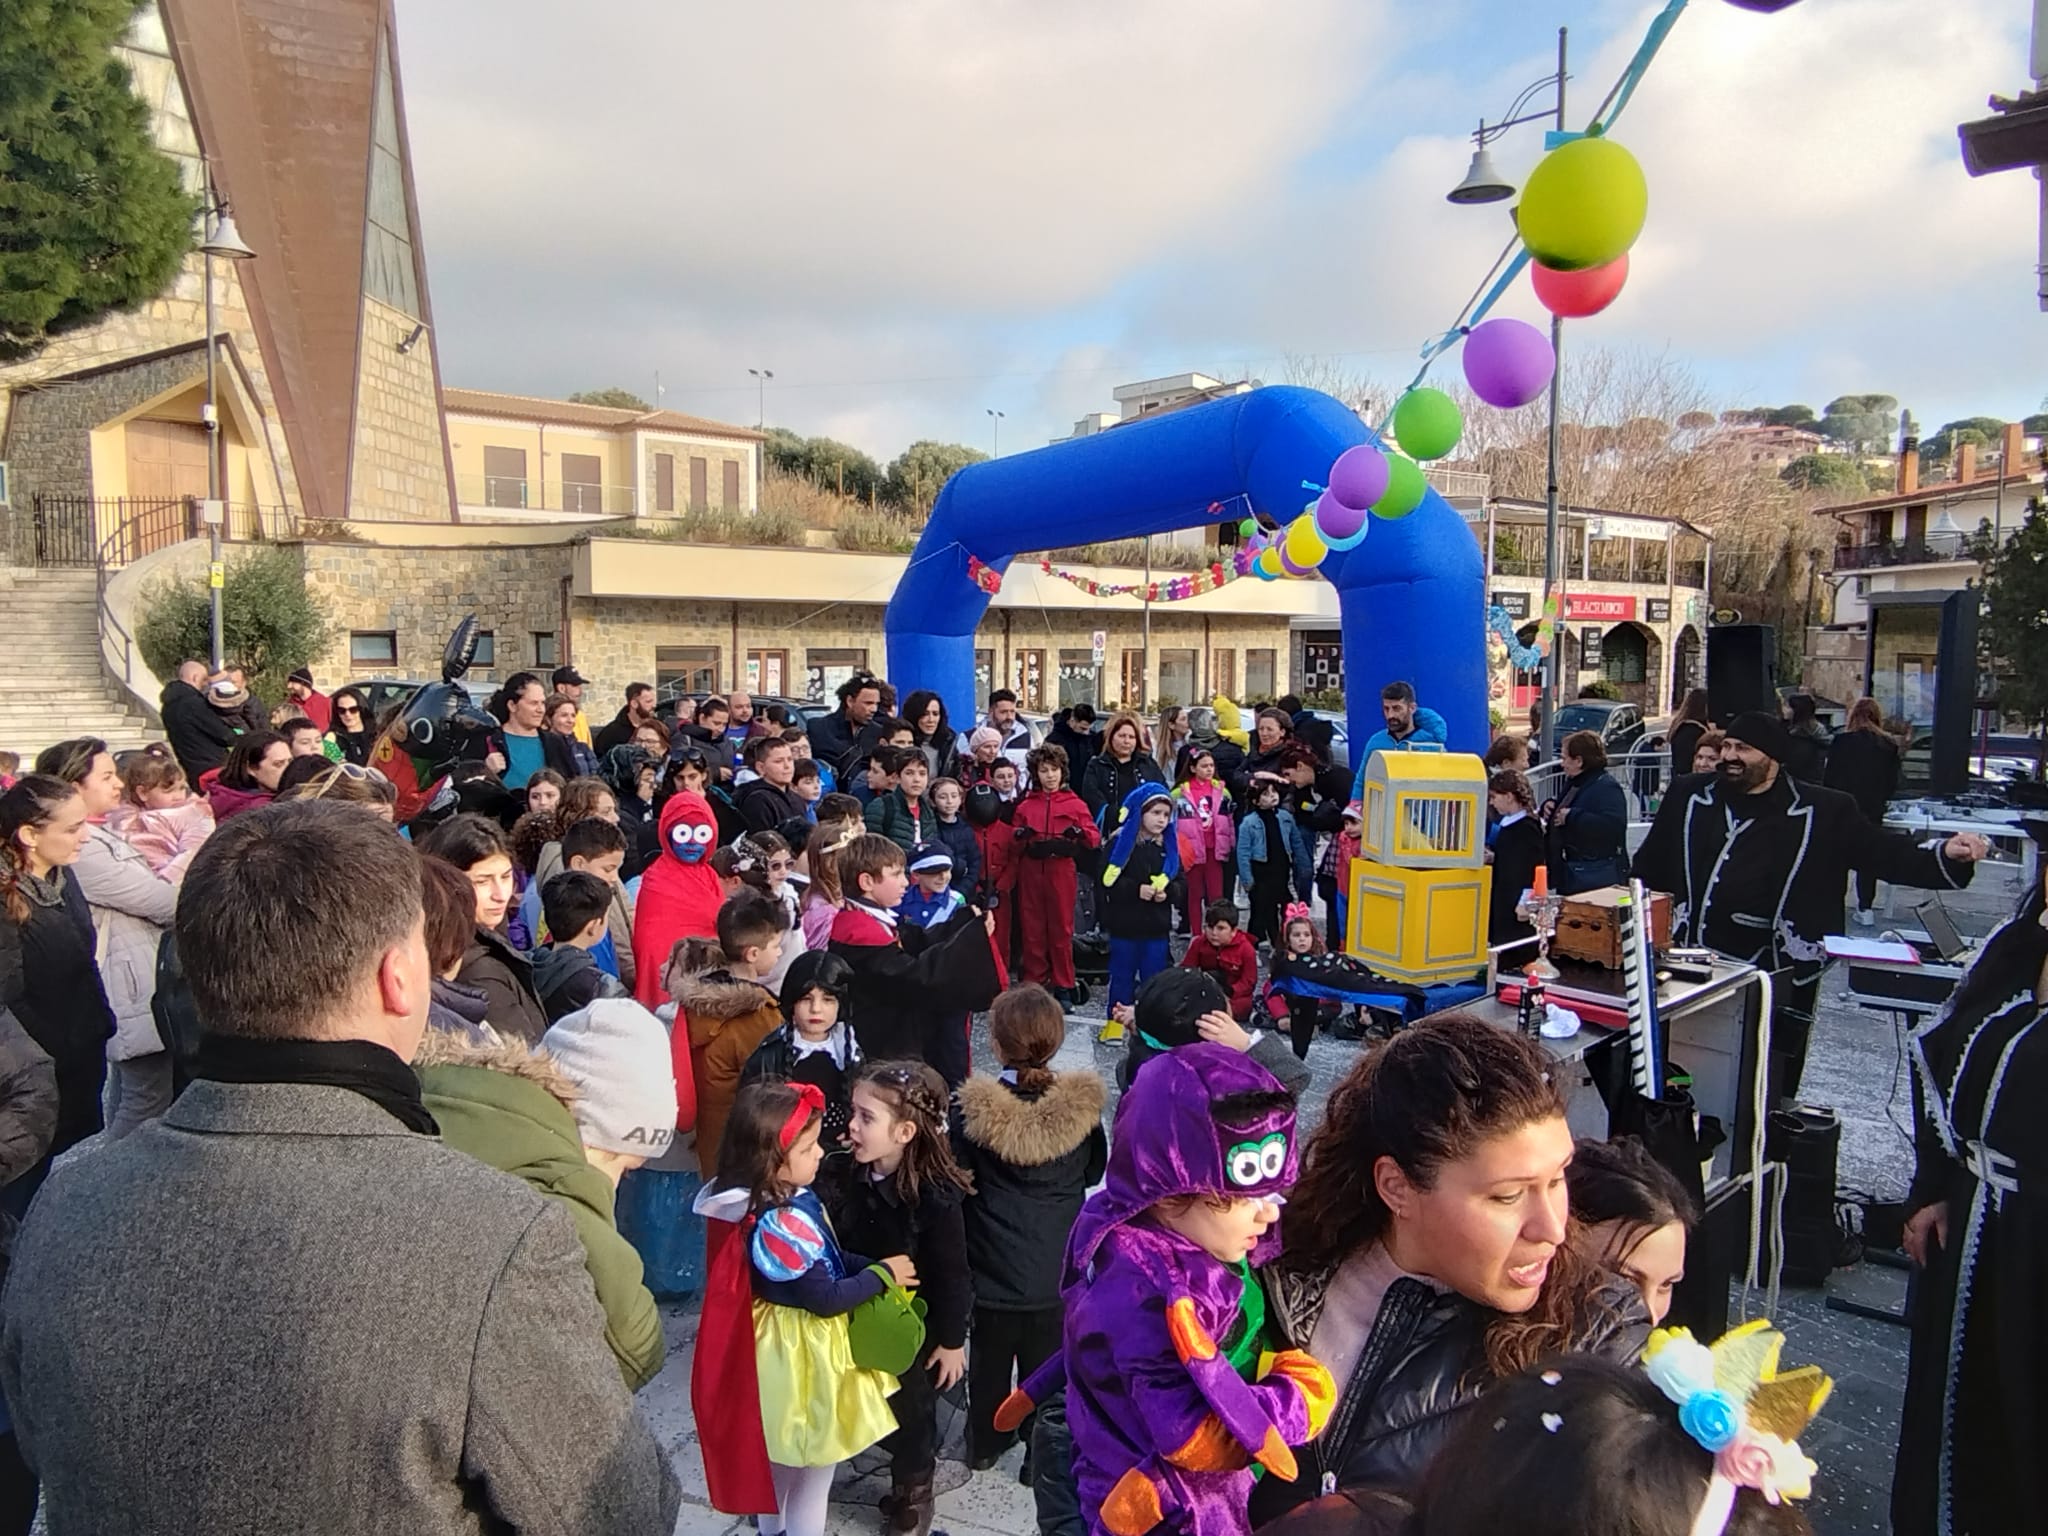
[
  {"x": 889, "y": 815},
  {"x": 507, "y": 1105}
]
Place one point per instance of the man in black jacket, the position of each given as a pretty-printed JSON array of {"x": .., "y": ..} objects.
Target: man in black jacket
[
  {"x": 638, "y": 710},
  {"x": 199, "y": 734},
  {"x": 1756, "y": 863},
  {"x": 1073, "y": 731},
  {"x": 835, "y": 737}
]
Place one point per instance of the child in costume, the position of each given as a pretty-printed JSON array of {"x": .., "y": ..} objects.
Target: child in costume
[
  {"x": 778, "y": 1400},
  {"x": 1137, "y": 905},
  {"x": 816, "y": 1045},
  {"x": 913, "y": 988},
  {"x": 1309, "y": 986},
  {"x": 988, "y": 813},
  {"x": 1206, "y": 829},
  {"x": 904, "y": 1194},
  {"x": 679, "y": 895},
  {"x": 931, "y": 899},
  {"x": 1172, "y": 1393},
  {"x": 1052, "y": 829}
]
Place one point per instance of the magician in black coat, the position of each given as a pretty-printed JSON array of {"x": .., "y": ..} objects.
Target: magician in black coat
[
  {"x": 914, "y": 988},
  {"x": 1974, "y": 1428},
  {"x": 1757, "y": 864}
]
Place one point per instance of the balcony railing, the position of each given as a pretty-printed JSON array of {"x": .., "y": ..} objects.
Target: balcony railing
[
  {"x": 1927, "y": 549},
  {"x": 515, "y": 493},
  {"x": 1458, "y": 484}
]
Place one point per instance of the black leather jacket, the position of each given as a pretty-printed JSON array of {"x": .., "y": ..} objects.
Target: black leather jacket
[{"x": 1423, "y": 1365}]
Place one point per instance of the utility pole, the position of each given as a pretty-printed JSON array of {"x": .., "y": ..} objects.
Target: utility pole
[{"x": 1553, "y": 552}]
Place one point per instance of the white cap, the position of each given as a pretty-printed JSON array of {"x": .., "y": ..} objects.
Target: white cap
[{"x": 617, "y": 1054}]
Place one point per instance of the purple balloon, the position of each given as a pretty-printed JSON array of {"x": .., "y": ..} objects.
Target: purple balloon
[
  {"x": 1358, "y": 478},
  {"x": 1508, "y": 363},
  {"x": 1335, "y": 520}
]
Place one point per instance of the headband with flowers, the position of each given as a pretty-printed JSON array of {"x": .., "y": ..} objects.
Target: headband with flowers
[{"x": 1732, "y": 1400}]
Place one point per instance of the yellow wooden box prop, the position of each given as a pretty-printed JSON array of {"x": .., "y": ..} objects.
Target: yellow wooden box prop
[
  {"x": 1425, "y": 810},
  {"x": 1419, "y": 925}
]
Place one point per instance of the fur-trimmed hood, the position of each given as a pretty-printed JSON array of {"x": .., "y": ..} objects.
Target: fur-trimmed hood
[
  {"x": 719, "y": 995},
  {"x": 514, "y": 1058},
  {"x": 1032, "y": 1131}
]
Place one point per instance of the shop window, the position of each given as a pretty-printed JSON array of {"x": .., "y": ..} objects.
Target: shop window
[
  {"x": 1259, "y": 678},
  {"x": 1077, "y": 678},
  {"x": 1028, "y": 680},
  {"x": 826, "y": 669},
  {"x": 546, "y": 653},
  {"x": 1176, "y": 677},
  {"x": 1132, "y": 690}
]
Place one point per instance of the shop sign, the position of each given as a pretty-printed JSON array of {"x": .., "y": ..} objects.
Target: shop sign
[{"x": 1583, "y": 605}]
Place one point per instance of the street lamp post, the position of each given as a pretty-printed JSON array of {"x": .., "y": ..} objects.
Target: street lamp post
[
  {"x": 1483, "y": 184},
  {"x": 997, "y": 417},
  {"x": 224, "y": 241},
  {"x": 761, "y": 378}
]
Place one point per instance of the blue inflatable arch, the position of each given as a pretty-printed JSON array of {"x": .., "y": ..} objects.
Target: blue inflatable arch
[{"x": 1412, "y": 595}]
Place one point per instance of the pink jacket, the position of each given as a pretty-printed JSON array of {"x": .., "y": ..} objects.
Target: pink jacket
[
  {"x": 1203, "y": 823},
  {"x": 166, "y": 838}
]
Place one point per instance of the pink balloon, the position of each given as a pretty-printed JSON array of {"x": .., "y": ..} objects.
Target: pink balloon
[
  {"x": 1508, "y": 363},
  {"x": 1335, "y": 519},
  {"x": 1575, "y": 295},
  {"x": 1358, "y": 478}
]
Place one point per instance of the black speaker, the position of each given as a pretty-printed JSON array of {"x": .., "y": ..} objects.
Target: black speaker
[
  {"x": 1742, "y": 670},
  {"x": 1807, "y": 1139}
]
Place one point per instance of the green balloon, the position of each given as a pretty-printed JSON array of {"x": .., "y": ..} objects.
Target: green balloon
[
  {"x": 1405, "y": 488},
  {"x": 1248, "y": 527},
  {"x": 1427, "y": 423}
]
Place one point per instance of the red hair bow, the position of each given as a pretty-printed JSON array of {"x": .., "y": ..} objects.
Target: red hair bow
[{"x": 810, "y": 1100}]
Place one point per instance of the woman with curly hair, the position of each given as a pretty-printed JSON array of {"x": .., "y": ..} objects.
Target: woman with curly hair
[{"x": 1424, "y": 1254}]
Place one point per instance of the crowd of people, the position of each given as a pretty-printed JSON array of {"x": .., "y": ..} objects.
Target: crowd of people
[{"x": 401, "y": 1131}]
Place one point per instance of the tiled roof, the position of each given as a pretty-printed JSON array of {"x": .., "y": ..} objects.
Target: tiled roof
[{"x": 484, "y": 402}]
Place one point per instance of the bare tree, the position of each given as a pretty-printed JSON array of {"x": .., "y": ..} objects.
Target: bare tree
[{"x": 1369, "y": 397}]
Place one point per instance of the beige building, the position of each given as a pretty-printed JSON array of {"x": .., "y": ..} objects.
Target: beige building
[
  {"x": 326, "y": 388},
  {"x": 514, "y": 454},
  {"x": 696, "y": 617}
]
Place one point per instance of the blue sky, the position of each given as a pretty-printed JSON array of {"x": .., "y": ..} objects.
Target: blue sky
[{"x": 917, "y": 211}]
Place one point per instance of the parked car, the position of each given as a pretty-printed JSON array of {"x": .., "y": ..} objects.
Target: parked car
[
  {"x": 1618, "y": 723},
  {"x": 1340, "y": 739},
  {"x": 806, "y": 710},
  {"x": 382, "y": 694}
]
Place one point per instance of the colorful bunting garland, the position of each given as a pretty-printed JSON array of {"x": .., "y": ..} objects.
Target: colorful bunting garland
[{"x": 1175, "y": 589}]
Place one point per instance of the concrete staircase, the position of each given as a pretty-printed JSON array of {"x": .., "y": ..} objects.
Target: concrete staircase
[{"x": 51, "y": 684}]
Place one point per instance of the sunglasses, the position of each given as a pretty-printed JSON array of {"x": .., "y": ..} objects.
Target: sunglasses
[{"x": 340, "y": 771}]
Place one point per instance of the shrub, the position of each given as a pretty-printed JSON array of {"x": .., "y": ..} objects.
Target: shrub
[
  {"x": 1131, "y": 552},
  {"x": 878, "y": 532},
  {"x": 722, "y": 525},
  {"x": 270, "y": 623},
  {"x": 1600, "y": 688}
]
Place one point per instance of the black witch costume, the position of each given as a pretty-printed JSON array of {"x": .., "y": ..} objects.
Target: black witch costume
[
  {"x": 1973, "y": 1439},
  {"x": 1762, "y": 878}
]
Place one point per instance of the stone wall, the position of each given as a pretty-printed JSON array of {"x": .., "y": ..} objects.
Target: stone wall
[
  {"x": 614, "y": 641},
  {"x": 178, "y": 314},
  {"x": 420, "y": 594},
  {"x": 715, "y": 454},
  {"x": 48, "y": 439},
  {"x": 400, "y": 466}
]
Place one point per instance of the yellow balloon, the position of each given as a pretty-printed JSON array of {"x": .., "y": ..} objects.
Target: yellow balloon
[
  {"x": 1269, "y": 562},
  {"x": 1304, "y": 545},
  {"x": 1584, "y": 205}
]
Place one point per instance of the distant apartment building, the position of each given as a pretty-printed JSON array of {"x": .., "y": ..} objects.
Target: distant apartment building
[
  {"x": 1149, "y": 396},
  {"x": 1907, "y": 550}
]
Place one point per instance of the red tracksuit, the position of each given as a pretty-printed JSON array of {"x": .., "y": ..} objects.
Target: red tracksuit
[
  {"x": 1001, "y": 854},
  {"x": 1046, "y": 886}
]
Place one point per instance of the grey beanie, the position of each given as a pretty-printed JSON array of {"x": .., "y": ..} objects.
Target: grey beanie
[{"x": 617, "y": 1054}]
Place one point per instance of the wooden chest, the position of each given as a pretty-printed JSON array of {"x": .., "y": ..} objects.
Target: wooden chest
[{"x": 1588, "y": 928}]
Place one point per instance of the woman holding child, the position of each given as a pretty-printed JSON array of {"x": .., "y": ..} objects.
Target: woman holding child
[{"x": 1423, "y": 1251}]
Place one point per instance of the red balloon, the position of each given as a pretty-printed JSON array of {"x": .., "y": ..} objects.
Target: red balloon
[{"x": 1575, "y": 295}]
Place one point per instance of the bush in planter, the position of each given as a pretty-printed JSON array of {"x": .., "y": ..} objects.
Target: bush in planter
[
  {"x": 1600, "y": 688},
  {"x": 270, "y": 623}
]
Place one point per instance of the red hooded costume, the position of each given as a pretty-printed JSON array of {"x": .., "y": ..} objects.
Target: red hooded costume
[{"x": 679, "y": 895}]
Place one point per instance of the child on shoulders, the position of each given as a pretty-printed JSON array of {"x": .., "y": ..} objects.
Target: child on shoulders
[{"x": 158, "y": 815}]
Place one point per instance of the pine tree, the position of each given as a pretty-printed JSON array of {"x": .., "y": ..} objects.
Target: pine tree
[
  {"x": 93, "y": 217},
  {"x": 2015, "y": 626}
]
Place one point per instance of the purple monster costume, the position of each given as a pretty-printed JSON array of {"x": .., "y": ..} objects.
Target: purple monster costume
[{"x": 1170, "y": 1394}]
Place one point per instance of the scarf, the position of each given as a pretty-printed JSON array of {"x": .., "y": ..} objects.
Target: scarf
[{"x": 360, "y": 1066}]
